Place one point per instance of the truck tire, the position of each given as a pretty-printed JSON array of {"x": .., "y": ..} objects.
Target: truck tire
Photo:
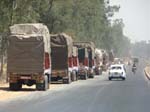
[
  {"x": 39, "y": 86},
  {"x": 100, "y": 72},
  {"x": 43, "y": 86},
  {"x": 91, "y": 76},
  {"x": 109, "y": 78},
  {"x": 73, "y": 76},
  {"x": 123, "y": 78},
  {"x": 85, "y": 77},
  {"x": 77, "y": 77},
  {"x": 15, "y": 86},
  {"x": 46, "y": 83},
  {"x": 67, "y": 80},
  {"x": 97, "y": 73}
]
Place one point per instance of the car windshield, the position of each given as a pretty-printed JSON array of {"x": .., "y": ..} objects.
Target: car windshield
[{"x": 116, "y": 68}]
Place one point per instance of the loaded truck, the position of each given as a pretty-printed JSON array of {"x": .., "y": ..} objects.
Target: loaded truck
[
  {"x": 75, "y": 64},
  {"x": 86, "y": 59},
  {"x": 105, "y": 60},
  {"x": 62, "y": 61},
  {"x": 111, "y": 57},
  {"x": 98, "y": 61},
  {"x": 28, "y": 60},
  {"x": 91, "y": 58}
]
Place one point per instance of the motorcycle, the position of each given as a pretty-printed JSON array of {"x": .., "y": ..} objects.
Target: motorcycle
[{"x": 134, "y": 69}]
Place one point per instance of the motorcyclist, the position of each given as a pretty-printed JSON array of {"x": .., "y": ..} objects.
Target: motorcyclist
[{"x": 134, "y": 67}]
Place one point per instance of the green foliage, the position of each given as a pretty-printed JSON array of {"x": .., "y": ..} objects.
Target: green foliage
[{"x": 84, "y": 20}]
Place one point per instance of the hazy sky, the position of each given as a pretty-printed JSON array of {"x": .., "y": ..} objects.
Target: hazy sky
[{"x": 136, "y": 17}]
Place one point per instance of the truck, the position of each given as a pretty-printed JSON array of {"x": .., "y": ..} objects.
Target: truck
[
  {"x": 28, "y": 56},
  {"x": 62, "y": 61},
  {"x": 98, "y": 61},
  {"x": 111, "y": 57},
  {"x": 86, "y": 56},
  {"x": 75, "y": 64},
  {"x": 105, "y": 62}
]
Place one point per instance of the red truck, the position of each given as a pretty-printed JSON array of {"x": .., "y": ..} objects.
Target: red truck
[
  {"x": 75, "y": 64},
  {"x": 28, "y": 60},
  {"x": 98, "y": 61},
  {"x": 86, "y": 59}
]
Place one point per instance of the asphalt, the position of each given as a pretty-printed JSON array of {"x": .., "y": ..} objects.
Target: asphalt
[{"x": 92, "y": 95}]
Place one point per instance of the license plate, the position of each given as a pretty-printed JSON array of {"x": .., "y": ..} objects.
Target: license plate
[{"x": 24, "y": 77}]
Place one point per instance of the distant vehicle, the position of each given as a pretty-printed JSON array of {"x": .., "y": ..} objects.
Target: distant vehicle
[
  {"x": 135, "y": 60},
  {"x": 105, "y": 62},
  {"x": 86, "y": 54},
  {"x": 83, "y": 61},
  {"x": 98, "y": 61},
  {"x": 117, "y": 71},
  {"x": 134, "y": 68}
]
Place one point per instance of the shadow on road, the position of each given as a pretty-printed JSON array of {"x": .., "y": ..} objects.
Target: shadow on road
[
  {"x": 4, "y": 88},
  {"x": 22, "y": 90}
]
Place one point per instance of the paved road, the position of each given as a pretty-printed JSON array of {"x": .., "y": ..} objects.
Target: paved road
[{"x": 93, "y": 95}]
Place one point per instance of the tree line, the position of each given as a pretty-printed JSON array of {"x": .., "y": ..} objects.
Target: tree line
[{"x": 84, "y": 20}]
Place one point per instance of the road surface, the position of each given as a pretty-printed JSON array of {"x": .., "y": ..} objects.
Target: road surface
[{"x": 93, "y": 95}]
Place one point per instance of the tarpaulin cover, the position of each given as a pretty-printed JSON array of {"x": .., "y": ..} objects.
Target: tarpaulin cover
[
  {"x": 32, "y": 30},
  {"x": 62, "y": 40},
  {"x": 61, "y": 46},
  {"x": 27, "y": 46},
  {"x": 98, "y": 56},
  {"x": 75, "y": 51},
  {"x": 88, "y": 45}
]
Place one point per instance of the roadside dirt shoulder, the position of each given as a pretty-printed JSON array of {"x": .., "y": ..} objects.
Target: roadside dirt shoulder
[
  {"x": 147, "y": 72},
  {"x": 6, "y": 94}
]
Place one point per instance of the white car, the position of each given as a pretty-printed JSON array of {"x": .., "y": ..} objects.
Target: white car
[{"x": 117, "y": 71}]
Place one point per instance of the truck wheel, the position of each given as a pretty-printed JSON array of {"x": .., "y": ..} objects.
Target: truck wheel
[
  {"x": 123, "y": 78},
  {"x": 109, "y": 78},
  {"x": 39, "y": 86},
  {"x": 100, "y": 72},
  {"x": 97, "y": 73},
  {"x": 73, "y": 76},
  {"x": 46, "y": 84},
  {"x": 67, "y": 80},
  {"x": 15, "y": 86},
  {"x": 85, "y": 77},
  {"x": 43, "y": 86},
  {"x": 77, "y": 77},
  {"x": 92, "y": 76}
]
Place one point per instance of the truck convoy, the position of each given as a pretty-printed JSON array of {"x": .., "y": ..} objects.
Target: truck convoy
[
  {"x": 36, "y": 57},
  {"x": 86, "y": 59},
  {"x": 28, "y": 60},
  {"x": 61, "y": 53}
]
